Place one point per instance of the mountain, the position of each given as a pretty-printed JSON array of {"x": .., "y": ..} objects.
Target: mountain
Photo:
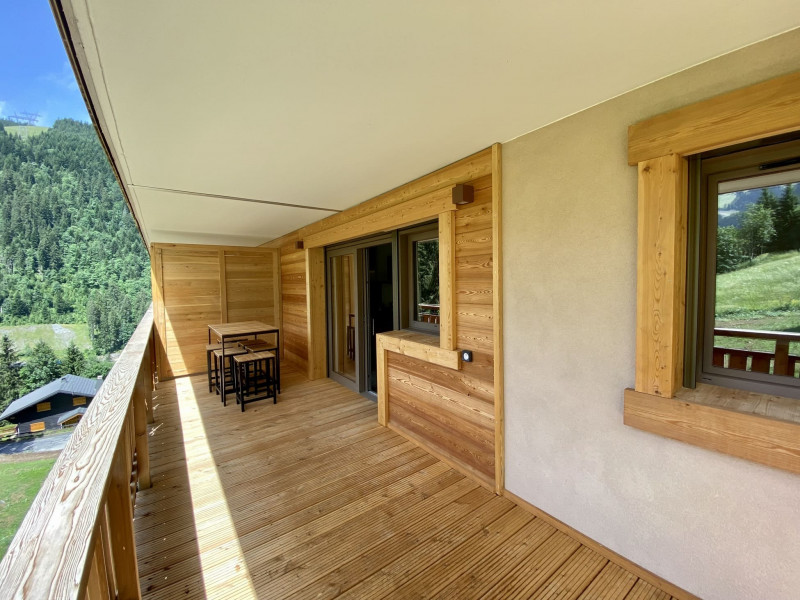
[
  {"x": 69, "y": 248},
  {"x": 734, "y": 207}
]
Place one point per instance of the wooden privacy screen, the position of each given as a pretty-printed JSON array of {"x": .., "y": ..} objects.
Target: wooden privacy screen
[
  {"x": 295, "y": 314},
  {"x": 194, "y": 286},
  {"x": 452, "y": 409}
]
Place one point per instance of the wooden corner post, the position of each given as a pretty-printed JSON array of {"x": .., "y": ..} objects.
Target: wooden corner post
[
  {"x": 661, "y": 275},
  {"x": 315, "y": 299}
]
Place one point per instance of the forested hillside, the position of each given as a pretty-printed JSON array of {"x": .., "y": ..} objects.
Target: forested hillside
[{"x": 69, "y": 249}]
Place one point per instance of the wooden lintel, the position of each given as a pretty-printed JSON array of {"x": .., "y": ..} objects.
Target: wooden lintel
[{"x": 757, "y": 111}]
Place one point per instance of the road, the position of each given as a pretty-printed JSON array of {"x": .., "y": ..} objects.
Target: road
[{"x": 37, "y": 444}]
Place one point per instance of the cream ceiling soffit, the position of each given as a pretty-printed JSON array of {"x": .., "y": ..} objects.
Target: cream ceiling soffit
[
  {"x": 234, "y": 198},
  {"x": 269, "y": 115}
]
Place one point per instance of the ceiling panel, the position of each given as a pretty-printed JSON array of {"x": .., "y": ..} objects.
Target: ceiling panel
[
  {"x": 327, "y": 104},
  {"x": 183, "y": 218}
]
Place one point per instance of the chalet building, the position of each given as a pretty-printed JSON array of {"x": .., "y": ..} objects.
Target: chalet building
[
  {"x": 58, "y": 404},
  {"x": 561, "y": 416}
]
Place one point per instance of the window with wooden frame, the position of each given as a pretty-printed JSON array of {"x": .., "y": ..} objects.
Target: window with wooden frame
[
  {"x": 743, "y": 285},
  {"x": 756, "y": 426},
  {"x": 419, "y": 272},
  {"x": 43, "y": 407},
  {"x": 79, "y": 401}
]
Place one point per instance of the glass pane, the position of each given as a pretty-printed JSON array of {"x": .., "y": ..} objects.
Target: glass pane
[
  {"x": 426, "y": 281},
  {"x": 757, "y": 303},
  {"x": 343, "y": 325}
]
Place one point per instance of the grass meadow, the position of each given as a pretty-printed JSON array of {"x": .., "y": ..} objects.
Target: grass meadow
[
  {"x": 19, "y": 483},
  {"x": 763, "y": 296},
  {"x": 57, "y": 336}
]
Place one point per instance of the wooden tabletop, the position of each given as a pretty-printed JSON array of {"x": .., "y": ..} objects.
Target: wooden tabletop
[{"x": 241, "y": 328}]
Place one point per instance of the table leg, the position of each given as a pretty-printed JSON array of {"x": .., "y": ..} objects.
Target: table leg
[
  {"x": 278, "y": 360},
  {"x": 222, "y": 372}
]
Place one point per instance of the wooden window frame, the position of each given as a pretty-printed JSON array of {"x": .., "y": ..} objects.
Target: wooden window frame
[
  {"x": 44, "y": 406},
  {"x": 711, "y": 417},
  {"x": 407, "y": 238},
  {"x": 710, "y": 170}
]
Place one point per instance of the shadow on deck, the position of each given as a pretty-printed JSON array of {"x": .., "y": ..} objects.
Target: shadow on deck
[{"x": 311, "y": 498}]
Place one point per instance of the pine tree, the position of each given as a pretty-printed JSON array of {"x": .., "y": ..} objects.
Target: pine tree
[
  {"x": 74, "y": 361},
  {"x": 42, "y": 367},
  {"x": 9, "y": 373},
  {"x": 787, "y": 221}
]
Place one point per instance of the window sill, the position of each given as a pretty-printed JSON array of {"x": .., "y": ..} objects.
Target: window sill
[
  {"x": 756, "y": 427},
  {"x": 423, "y": 346}
]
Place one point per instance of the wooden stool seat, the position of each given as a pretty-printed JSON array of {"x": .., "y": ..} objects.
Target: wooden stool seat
[
  {"x": 256, "y": 345},
  {"x": 225, "y": 362},
  {"x": 262, "y": 345},
  {"x": 255, "y": 377}
]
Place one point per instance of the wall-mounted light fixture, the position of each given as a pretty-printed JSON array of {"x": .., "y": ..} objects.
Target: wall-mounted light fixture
[{"x": 463, "y": 194}]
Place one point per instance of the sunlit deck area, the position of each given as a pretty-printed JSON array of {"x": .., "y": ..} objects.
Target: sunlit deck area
[{"x": 311, "y": 498}]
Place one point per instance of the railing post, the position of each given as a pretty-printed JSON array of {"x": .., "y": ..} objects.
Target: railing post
[
  {"x": 782, "y": 358},
  {"x": 101, "y": 582},
  {"x": 120, "y": 517},
  {"x": 140, "y": 401},
  {"x": 150, "y": 370}
]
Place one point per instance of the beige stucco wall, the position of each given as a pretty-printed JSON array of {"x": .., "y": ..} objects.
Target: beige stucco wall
[{"x": 720, "y": 527}]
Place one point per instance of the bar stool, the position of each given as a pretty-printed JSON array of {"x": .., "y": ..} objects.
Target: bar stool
[
  {"x": 212, "y": 373},
  {"x": 255, "y": 377},
  {"x": 219, "y": 359},
  {"x": 264, "y": 346}
]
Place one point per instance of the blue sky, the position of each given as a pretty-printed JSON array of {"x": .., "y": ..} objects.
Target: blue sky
[{"x": 35, "y": 74}]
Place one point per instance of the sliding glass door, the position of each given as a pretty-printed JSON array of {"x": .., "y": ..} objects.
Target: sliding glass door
[{"x": 362, "y": 302}]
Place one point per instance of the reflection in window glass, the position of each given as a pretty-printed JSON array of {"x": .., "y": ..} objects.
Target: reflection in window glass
[
  {"x": 426, "y": 281},
  {"x": 757, "y": 289}
]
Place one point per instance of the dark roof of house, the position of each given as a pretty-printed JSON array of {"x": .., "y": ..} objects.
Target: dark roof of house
[
  {"x": 68, "y": 384},
  {"x": 68, "y": 415}
]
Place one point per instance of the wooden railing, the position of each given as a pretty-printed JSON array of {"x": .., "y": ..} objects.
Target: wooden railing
[
  {"x": 77, "y": 538},
  {"x": 779, "y": 362}
]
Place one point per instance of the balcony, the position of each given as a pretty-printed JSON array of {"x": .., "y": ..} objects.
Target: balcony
[{"x": 309, "y": 498}]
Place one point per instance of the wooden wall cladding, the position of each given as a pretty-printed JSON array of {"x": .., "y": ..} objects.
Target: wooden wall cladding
[
  {"x": 195, "y": 286},
  {"x": 295, "y": 310},
  {"x": 450, "y": 411}
]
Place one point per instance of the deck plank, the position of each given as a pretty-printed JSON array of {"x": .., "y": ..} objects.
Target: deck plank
[{"x": 310, "y": 498}]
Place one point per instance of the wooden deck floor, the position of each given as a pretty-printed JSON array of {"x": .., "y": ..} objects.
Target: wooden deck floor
[{"x": 310, "y": 498}]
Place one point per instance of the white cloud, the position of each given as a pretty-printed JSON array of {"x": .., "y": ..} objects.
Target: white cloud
[
  {"x": 65, "y": 78},
  {"x": 2, "y": 107}
]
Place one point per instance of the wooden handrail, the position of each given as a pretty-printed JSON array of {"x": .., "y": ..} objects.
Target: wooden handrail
[
  {"x": 77, "y": 539},
  {"x": 785, "y": 336},
  {"x": 779, "y": 361}
]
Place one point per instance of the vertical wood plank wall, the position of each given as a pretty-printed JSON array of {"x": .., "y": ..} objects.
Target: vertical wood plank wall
[
  {"x": 295, "y": 311},
  {"x": 198, "y": 285},
  {"x": 449, "y": 412}
]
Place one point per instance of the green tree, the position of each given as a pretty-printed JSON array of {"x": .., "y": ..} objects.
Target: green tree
[
  {"x": 729, "y": 249},
  {"x": 767, "y": 199},
  {"x": 94, "y": 366},
  {"x": 427, "y": 258},
  {"x": 757, "y": 229},
  {"x": 9, "y": 373},
  {"x": 42, "y": 367},
  {"x": 74, "y": 361},
  {"x": 787, "y": 221}
]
